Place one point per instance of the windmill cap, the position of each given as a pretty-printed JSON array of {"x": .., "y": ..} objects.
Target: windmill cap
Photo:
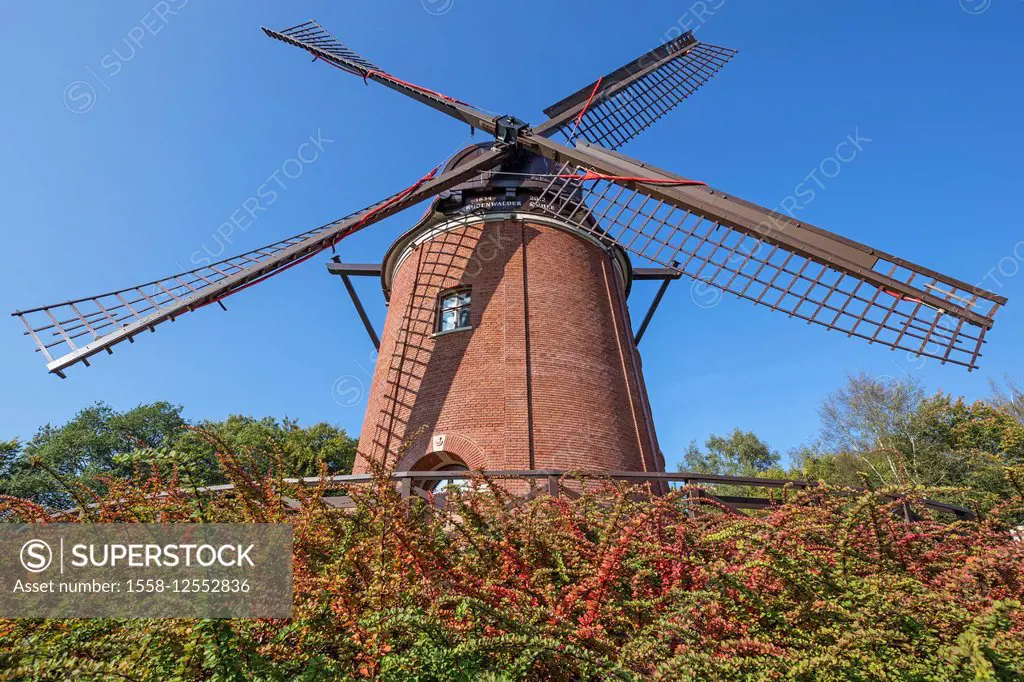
[{"x": 514, "y": 172}]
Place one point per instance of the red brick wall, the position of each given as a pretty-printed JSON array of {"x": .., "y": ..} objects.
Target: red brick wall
[{"x": 548, "y": 376}]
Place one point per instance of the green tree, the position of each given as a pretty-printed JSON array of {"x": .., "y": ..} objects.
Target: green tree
[
  {"x": 894, "y": 434},
  {"x": 892, "y": 431},
  {"x": 1009, "y": 399},
  {"x": 9, "y": 450},
  {"x": 99, "y": 442},
  {"x": 84, "y": 448},
  {"x": 268, "y": 444},
  {"x": 741, "y": 453}
]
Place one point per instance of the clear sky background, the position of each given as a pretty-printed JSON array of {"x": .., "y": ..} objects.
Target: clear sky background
[{"x": 122, "y": 160}]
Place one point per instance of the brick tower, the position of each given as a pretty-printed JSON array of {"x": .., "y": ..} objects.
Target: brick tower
[{"x": 507, "y": 343}]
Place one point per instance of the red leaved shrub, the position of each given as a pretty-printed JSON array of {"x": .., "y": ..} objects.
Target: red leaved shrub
[{"x": 830, "y": 584}]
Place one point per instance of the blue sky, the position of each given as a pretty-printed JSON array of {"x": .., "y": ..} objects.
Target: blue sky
[{"x": 123, "y": 157}]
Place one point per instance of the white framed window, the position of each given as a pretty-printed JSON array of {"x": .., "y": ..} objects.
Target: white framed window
[{"x": 453, "y": 310}]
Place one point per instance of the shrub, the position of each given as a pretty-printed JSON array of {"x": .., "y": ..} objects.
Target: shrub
[{"x": 601, "y": 584}]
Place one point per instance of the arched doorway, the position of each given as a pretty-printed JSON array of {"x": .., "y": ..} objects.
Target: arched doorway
[
  {"x": 441, "y": 462},
  {"x": 442, "y": 484}
]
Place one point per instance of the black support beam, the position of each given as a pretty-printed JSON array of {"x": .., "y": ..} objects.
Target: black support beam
[
  {"x": 345, "y": 270},
  {"x": 654, "y": 306},
  {"x": 642, "y": 274},
  {"x": 354, "y": 269}
]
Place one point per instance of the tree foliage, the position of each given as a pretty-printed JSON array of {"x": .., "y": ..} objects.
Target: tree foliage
[
  {"x": 741, "y": 453},
  {"x": 1010, "y": 398},
  {"x": 884, "y": 433},
  {"x": 100, "y": 441},
  {"x": 877, "y": 432}
]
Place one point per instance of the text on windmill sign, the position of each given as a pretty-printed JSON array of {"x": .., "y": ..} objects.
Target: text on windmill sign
[{"x": 136, "y": 570}]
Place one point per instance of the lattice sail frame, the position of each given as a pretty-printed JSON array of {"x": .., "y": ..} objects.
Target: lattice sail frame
[
  {"x": 323, "y": 46},
  {"x": 946, "y": 320},
  {"x": 58, "y": 329},
  {"x": 71, "y": 332},
  {"x": 614, "y": 110},
  {"x": 313, "y": 35}
]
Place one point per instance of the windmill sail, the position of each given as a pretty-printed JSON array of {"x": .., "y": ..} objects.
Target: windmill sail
[
  {"x": 71, "y": 332},
  {"x": 768, "y": 258},
  {"x": 321, "y": 43},
  {"x": 622, "y": 104},
  {"x": 315, "y": 40}
]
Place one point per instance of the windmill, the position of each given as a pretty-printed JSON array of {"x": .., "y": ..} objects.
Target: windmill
[{"x": 508, "y": 343}]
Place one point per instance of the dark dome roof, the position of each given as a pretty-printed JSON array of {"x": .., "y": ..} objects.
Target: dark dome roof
[
  {"x": 467, "y": 154},
  {"x": 517, "y": 167}
]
